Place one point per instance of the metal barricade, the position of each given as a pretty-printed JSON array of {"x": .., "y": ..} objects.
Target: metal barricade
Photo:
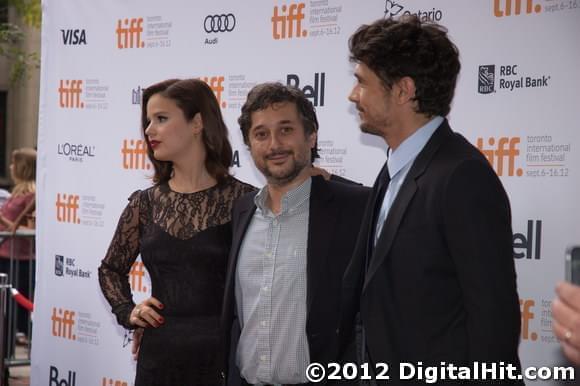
[
  {"x": 10, "y": 308},
  {"x": 4, "y": 288}
]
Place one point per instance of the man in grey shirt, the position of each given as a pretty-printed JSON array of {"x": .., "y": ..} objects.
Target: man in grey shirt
[{"x": 291, "y": 243}]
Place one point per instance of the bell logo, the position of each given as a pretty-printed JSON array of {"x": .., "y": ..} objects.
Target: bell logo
[
  {"x": 70, "y": 380},
  {"x": 314, "y": 92},
  {"x": 529, "y": 246},
  {"x": 129, "y": 33},
  {"x": 62, "y": 323},
  {"x": 288, "y": 22},
  {"x": 137, "y": 273},
  {"x": 67, "y": 206},
  {"x": 514, "y": 7},
  {"x": 216, "y": 84},
  {"x": 135, "y": 154},
  {"x": 111, "y": 382},
  {"x": 506, "y": 148},
  {"x": 69, "y": 94},
  {"x": 526, "y": 307}
]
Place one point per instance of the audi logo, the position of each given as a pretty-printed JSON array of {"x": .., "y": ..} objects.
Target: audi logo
[{"x": 219, "y": 23}]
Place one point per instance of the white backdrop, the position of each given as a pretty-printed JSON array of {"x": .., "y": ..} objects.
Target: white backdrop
[{"x": 517, "y": 99}]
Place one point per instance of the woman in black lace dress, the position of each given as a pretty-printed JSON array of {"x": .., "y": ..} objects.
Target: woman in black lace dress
[{"x": 180, "y": 226}]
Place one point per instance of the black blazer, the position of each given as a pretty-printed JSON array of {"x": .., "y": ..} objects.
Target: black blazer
[
  {"x": 441, "y": 282},
  {"x": 336, "y": 210}
]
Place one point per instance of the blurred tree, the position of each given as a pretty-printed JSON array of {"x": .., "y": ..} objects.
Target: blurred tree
[{"x": 12, "y": 34}]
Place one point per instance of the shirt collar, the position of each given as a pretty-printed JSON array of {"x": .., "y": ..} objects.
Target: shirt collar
[
  {"x": 412, "y": 146},
  {"x": 292, "y": 200}
]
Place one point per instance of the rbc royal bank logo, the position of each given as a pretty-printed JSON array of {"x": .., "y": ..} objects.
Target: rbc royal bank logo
[
  {"x": 486, "y": 79},
  {"x": 59, "y": 265}
]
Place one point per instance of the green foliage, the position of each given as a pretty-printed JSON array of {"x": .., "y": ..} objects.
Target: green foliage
[{"x": 11, "y": 35}]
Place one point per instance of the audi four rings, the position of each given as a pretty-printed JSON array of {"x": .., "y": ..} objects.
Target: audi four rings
[{"x": 219, "y": 23}]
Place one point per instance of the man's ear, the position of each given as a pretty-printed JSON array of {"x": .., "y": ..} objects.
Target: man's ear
[{"x": 404, "y": 90}]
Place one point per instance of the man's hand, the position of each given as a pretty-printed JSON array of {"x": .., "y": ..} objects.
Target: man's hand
[{"x": 566, "y": 322}]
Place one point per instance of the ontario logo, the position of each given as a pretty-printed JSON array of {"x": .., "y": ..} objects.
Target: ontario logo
[{"x": 396, "y": 9}]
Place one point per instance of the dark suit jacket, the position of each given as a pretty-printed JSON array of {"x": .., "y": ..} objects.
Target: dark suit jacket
[
  {"x": 441, "y": 282},
  {"x": 335, "y": 215}
]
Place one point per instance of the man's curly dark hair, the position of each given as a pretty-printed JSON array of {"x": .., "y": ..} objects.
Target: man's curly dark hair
[{"x": 407, "y": 46}]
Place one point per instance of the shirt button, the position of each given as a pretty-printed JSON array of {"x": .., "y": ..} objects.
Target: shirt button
[
  {"x": 262, "y": 358},
  {"x": 275, "y": 222},
  {"x": 263, "y": 323}
]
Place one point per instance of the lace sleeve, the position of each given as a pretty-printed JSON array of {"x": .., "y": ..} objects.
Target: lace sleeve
[{"x": 115, "y": 267}]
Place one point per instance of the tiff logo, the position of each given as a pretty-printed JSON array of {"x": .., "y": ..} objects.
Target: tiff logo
[
  {"x": 137, "y": 274},
  {"x": 486, "y": 79},
  {"x": 216, "y": 84},
  {"x": 70, "y": 94},
  {"x": 514, "y": 6},
  {"x": 73, "y": 36},
  {"x": 53, "y": 380},
  {"x": 135, "y": 154},
  {"x": 506, "y": 149},
  {"x": 129, "y": 32},
  {"x": 285, "y": 25},
  {"x": 67, "y": 207},
  {"x": 62, "y": 323},
  {"x": 526, "y": 306},
  {"x": 111, "y": 382}
]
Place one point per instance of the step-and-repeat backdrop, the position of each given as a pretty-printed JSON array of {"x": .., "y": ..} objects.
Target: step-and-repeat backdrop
[{"x": 517, "y": 100}]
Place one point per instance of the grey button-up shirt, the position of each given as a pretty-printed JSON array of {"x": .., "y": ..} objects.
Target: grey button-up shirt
[{"x": 271, "y": 291}]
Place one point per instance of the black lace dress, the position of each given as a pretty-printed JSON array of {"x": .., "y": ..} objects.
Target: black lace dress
[{"x": 184, "y": 241}]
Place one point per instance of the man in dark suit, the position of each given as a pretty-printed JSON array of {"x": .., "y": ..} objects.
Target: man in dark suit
[
  {"x": 292, "y": 241},
  {"x": 432, "y": 275}
]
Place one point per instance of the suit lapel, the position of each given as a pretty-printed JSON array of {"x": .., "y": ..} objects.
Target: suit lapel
[
  {"x": 404, "y": 197},
  {"x": 321, "y": 221},
  {"x": 246, "y": 211}
]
